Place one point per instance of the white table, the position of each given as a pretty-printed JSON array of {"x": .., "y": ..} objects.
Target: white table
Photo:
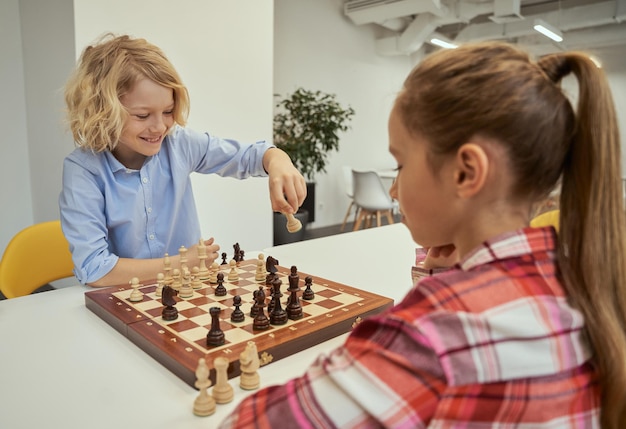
[{"x": 61, "y": 366}]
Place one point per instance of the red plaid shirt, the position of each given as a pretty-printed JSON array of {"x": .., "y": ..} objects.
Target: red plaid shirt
[{"x": 489, "y": 343}]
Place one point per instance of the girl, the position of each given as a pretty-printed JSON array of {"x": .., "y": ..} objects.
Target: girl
[
  {"x": 526, "y": 329},
  {"x": 127, "y": 197}
]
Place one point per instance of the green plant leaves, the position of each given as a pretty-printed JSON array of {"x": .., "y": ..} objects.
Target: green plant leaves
[{"x": 307, "y": 126}]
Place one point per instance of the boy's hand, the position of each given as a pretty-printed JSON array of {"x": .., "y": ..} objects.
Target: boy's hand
[
  {"x": 441, "y": 256},
  {"x": 287, "y": 186}
]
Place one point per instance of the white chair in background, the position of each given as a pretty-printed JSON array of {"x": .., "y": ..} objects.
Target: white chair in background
[
  {"x": 348, "y": 183},
  {"x": 371, "y": 199}
]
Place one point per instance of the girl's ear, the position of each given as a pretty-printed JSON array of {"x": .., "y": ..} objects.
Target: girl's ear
[{"x": 471, "y": 168}]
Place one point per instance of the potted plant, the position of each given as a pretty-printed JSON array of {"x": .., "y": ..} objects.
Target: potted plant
[{"x": 307, "y": 126}]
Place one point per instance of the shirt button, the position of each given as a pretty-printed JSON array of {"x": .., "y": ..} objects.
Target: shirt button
[
  {"x": 144, "y": 180},
  {"x": 151, "y": 236},
  {"x": 149, "y": 209}
]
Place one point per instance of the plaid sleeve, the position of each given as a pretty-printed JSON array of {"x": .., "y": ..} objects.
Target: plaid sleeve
[{"x": 362, "y": 384}]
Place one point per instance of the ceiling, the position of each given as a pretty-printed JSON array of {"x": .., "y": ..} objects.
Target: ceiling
[{"x": 407, "y": 26}]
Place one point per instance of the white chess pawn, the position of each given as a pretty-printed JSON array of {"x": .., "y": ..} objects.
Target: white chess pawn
[
  {"x": 176, "y": 281},
  {"x": 186, "y": 291},
  {"x": 167, "y": 269},
  {"x": 233, "y": 275},
  {"x": 160, "y": 284},
  {"x": 136, "y": 295},
  {"x": 196, "y": 282},
  {"x": 215, "y": 268},
  {"x": 260, "y": 269}
]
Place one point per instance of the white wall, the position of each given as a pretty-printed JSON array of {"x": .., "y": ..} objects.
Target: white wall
[
  {"x": 223, "y": 52},
  {"x": 15, "y": 189},
  {"x": 317, "y": 48}
]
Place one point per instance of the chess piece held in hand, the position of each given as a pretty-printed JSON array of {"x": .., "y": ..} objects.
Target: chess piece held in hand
[{"x": 293, "y": 224}]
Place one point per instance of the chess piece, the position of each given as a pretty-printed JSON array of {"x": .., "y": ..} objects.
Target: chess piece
[
  {"x": 176, "y": 280},
  {"x": 136, "y": 295},
  {"x": 160, "y": 284},
  {"x": 278, "y": 316},
  {"x": 196, "y": 282},
  {"x": 167, "y": 270},
  {"x": 294, "y": 308},
  {"x": 242, "y": 256},
  {"x": 215, "y": 337},
  {"x": 253, "y": 309},
  {"x": 236, "y": 251},
  {"x": 249, "y": 365},
  {"x": 220, "y": 290},
  {"x": 204, "y": 405},
  {"x": 182, "y": 251},
  {"x": 261, "y": 322},
  {"x": 213, "y": 272},
  {"x": 259, "y": 275},
  {"x": 270, "y": 267},
  {"x": 222, "y": 391},
  {"x": 237, "y": 315},
  {"x": 224, "y": 256},
  {"x": 233, "y": 274},
  {"x": 186, "y": 291},
  {"x": 308, "y": 293},
  {"x": 203, "y": 270},
  {"x": 293, "y": 224},
  {"x": 170, "y": 312}
]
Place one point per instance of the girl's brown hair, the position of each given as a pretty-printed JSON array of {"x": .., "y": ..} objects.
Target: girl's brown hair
[
  {"x": 496, "y": 91},
  {"x": 105, "y": 72}
]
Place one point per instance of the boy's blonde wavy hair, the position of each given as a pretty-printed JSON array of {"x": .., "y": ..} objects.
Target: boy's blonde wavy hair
[{"x": 105, "y": 72}]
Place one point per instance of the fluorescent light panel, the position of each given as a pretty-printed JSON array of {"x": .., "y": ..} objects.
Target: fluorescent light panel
[
  {"x": 443, "y": 43},
  {"x": 548, "y": 30}
]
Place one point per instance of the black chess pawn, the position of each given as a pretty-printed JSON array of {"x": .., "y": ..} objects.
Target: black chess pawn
[
  {"x": 167, "y": 298},
  {"x": 220, "y": 290},
  {"x": 224, "y": 256},
  {"x": 237, "y": 315},
  {"x": 261, "y": 322},
  {"x": 308, "y": 293},
  {"x": 215, "y": 337},
  {"x": 278, "y": 316}
]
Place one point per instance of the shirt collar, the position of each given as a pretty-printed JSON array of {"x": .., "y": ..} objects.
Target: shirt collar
[{"x": 510, "y": 245}]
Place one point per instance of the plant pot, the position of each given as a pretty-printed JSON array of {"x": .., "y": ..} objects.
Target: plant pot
[{"x": 281, "y": 235}]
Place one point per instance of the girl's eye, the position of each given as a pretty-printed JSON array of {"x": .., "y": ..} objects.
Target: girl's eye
[
  {"x": 142, "y": 116},
  {"x": 169, "y": 112}
]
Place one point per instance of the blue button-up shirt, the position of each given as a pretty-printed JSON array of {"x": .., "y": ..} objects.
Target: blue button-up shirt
[{"x": 109, "y": 211}]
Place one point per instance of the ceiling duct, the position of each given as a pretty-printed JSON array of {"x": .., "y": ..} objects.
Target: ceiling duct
[
  {"x": 506, "y": 11},
  {"x": 377, "y": 11}
]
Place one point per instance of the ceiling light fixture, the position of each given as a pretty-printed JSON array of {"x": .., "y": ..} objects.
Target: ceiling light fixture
[
  {"x": 443, "y": 43},
  {"x": 548, "y": 30}
]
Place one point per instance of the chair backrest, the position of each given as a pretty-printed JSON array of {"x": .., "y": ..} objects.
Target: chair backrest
[
  {"x": 369, "y": 191},
  {"x": 34, "y": 257},
  {"x": 347, "y": 180},
  {"x": 545, "y": 219}
]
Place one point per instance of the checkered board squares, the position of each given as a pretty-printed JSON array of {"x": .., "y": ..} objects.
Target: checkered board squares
[{"x": 178, "y": 344}]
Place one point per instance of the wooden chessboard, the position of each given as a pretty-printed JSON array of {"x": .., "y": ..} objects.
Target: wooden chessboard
[{"x": 178, "y": 344}]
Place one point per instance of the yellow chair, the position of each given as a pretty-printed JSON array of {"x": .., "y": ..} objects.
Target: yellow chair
[
  {"x": 548, "y": 218},
  {"x": 35, "y": 256}
]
